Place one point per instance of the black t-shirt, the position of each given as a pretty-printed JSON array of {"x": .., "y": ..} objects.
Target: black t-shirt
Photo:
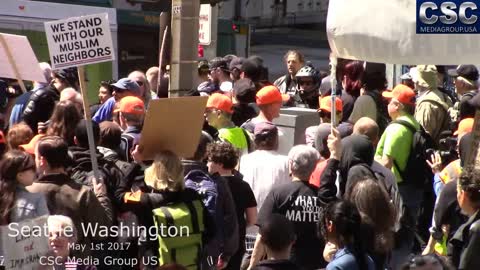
[
  {"x": 276, "y": 265},
  {"x": 299, "y": 203},
  {"x": 243, "y": 198}
]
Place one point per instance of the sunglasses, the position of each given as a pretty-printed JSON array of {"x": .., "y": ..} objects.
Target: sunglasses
[{"x": 140, "y": 83}]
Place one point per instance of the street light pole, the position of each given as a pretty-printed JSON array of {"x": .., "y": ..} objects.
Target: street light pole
[{"x": 183, "y": 69}]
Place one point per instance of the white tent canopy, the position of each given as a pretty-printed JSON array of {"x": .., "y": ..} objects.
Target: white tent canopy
[{"x": 385, "y": 31}]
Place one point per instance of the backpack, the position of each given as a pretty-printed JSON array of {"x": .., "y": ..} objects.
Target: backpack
[
  {"x": 447, "y": 120},
  {"x": 393, "y": 193},
  {"x": 126, "y": 146},
  {"x": 185, "y": 246},
  {"x": 382, "y": 113},
  {"x": 417, "y": 172},
  {"x": 206, "y": 187}
]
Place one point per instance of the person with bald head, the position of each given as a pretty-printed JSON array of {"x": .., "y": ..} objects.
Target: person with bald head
[
  {"x": 141, "y": 79},
  {"x": 366, "y": 126},
  {"x": 21, "y": 101},
  {"x": 73, "y": 96},
  {"x": 152, "y": 78}
]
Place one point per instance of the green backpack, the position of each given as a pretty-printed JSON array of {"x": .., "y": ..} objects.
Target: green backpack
[{"x": 180, "y": 241}]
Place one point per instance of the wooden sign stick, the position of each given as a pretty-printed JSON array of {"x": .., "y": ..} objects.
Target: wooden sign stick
[
  {"x": 12, "y": 62},
  {"x": 86, "y": 110}
]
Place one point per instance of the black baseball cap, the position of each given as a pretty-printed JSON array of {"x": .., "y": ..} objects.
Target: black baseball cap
[
  {"x": 469, "y": 72},
  {"x": 218, "y": 63},
  {"x": 244, "y": 90},
  {"x": 375, "y": 68},
  {"x": 237, "y": 63}
]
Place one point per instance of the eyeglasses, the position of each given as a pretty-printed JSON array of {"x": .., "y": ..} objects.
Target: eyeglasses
[{"x": 140, "y": 83}]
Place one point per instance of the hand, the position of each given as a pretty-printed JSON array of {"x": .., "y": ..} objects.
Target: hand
[
  {"x": 435, "y": 163},
  {"x": 137, "y": 154},
  {"x": 221, "y": 263},
  {"x": 329, "y": 250},
  {"x": 98, "y": 187},
  {"x": 334, "y": 143}
]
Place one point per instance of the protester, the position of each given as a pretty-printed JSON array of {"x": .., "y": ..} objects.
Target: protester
[
  {"x": 321, "y": 135},
  {"x": 122, "y": 88},
  {"x": 17, "y": 171},
  {"x": 152, "y": 79},
  {"x": 235, "y": 67},
  {"x": 269, "y": 101},
  {"x": 131, "y": 113},
  {"x": 338, "y": 224},
  {"x": 163, "y": 183},
  {"x": 18, "y": 134},
  {"x": 448, "y": 216},
  {"x": 260, "y": 175},
  {"x": 325, "y": 113},
  {"x": 220, "y": 75},
  {"x": 424, "y": 262},
  {"x": 218, "y": 114},
  {"x": 432, "y": 106},
  {"x": 64, "y": 120},
  {"x": 64, "y": 196},
  {"x": 466, "y": 87},
  {"x": 378, "y": 218},
  {"x": 16, "y": 115},
  {"x": 42, "y": 102},
  {"x": 72, "y": 95},
  {"x": 82, "y": 168},
  {"x": 222, "y": 159},
  {"x": 197, "y": 162},
  {"x": 105, "y": 91},
  {"x": 287, "y": 84},
  {"x": 393, "y": 151},
  {"x": 206, "y": 87},
  {"x": 370, "y": 103},
  {"x": 140, "y": 78},
  {"x": 464, "y": 246},
  {"x": 307, "y": 93},
  {"x": 278, "y": 237},
  {"x": 351, "y": 83},
  {"x": 291, "y": 200},
  {"x": 244, "y": 107},
  {"x": 62, "y": 237}
]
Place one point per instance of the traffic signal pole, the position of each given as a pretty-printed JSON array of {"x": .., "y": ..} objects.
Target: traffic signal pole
[{"x": 184, "y": 46}]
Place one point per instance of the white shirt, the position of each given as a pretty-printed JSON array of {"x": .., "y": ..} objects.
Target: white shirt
[{"x": 262, "y": 170}]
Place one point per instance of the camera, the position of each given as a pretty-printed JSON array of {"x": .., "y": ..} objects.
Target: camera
[{"x": 447, "y": 148}]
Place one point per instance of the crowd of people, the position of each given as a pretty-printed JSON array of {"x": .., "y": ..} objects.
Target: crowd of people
[{"x": 387, "y": 183}]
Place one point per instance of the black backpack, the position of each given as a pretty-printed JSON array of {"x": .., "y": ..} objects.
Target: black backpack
[{"x": 417, "y": 172}]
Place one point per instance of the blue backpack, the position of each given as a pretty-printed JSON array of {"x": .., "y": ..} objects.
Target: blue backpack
[{"x": 206, "y": 187}]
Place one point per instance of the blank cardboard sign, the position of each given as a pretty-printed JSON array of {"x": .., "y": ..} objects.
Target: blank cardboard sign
[
  {"x": 19, "y": 53},
  {"x": 173, "y": 124}
]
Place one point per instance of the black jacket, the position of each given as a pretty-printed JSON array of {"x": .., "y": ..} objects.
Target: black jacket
[
  {"x": 464, "y": 247},
  {"x": 40, "y": 107},
  {"x": 82, "y": 165},
  {"x": 149, "y": 200}
]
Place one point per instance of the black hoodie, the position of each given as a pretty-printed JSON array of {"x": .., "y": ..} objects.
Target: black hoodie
[
  {"x": 82, "y": 167},
  {"x": 357, "y": 150}
]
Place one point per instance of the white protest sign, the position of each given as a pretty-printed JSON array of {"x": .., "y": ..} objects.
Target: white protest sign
[
  {"x": 205, "y": 25},
  {"x": 24, "y": 243},
  {"x": 79, "y": 41},
  {"x": 17, "y": 59}
]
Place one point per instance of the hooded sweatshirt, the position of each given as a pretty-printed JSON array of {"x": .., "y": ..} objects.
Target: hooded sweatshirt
[{"x": 357, "y": 150}]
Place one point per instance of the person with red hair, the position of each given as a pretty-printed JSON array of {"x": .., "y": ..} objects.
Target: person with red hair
[{"x": 351, "y": 84}]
